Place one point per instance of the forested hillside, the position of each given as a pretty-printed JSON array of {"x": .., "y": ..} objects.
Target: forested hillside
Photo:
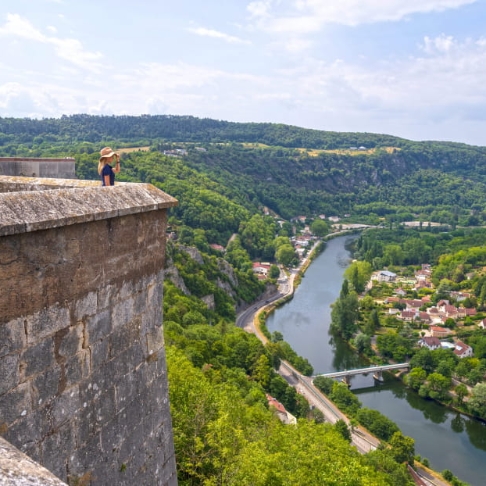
[{"x": 290, "y": 170}]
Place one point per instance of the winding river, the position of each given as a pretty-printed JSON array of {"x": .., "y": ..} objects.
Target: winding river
[{"x": 447, "y": 439}]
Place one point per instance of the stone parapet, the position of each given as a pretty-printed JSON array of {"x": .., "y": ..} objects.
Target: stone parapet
[
  {"x": 35, "y": 204},
  {"x": 38, "y": 167},
  {"x": 17, "y": 469}
]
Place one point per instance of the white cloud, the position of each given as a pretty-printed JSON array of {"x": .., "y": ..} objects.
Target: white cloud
[
  {"x": 440, "y": 44},
  {"x": 16, "y": 26},
  {"x": 70, "y": 50},
  {"x": 260, "y": 8},
  {"x": 303, "y": 16},
  {"x": 217, "y": 35}
]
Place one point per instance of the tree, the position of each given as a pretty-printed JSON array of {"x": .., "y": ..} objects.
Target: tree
[
  {"x": 362, "y": 343},
  {"x": 423, "y": 359},
  {"x": 285, "y": 254},
  {"x": 324, "y": 384},
  {"x": 461, "y": 392},
  {"x": 344, "y": 315},
  {"x": 343, "y": 429},
  {"x": 358, "y": 274},
  {"x": 438, "y": 386},
  {"x": 477, "y": 402},
  {"x": 372, "y": 323},
  {"x": 319, "y": 227},
  {"x": 403, "y": 447},
  {"x": 416, "y": 378},
  {"x": 274, "y": 271}
]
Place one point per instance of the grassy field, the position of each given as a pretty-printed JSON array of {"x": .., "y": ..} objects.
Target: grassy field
[
  {"x": 133, "y": 149},
  {"x": 316, "y": 152}
]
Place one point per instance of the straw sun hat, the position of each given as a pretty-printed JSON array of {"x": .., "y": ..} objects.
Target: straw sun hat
[{"x": 106, "y": 152}]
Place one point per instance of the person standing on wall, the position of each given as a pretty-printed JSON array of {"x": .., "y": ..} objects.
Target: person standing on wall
[{"x": 105, "y": 167}]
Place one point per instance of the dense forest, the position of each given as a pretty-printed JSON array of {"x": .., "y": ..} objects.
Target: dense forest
[
  {"x": 290, "y": 170},
  {"x": 240, "y": 186}
]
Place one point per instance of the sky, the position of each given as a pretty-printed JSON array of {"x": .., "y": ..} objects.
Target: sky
[{"x": 411, "y": 68}]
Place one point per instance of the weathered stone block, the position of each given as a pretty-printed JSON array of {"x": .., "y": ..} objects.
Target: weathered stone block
[
  {"x": 46, "y": 322},
  {"x": 53, "y": 444},
  {"x": 46, "y": 386},
  {"x": 37, "y": 358},
  {"x": 123, "y": 312},
  {"x": 77, "y": 367},
  {"x": 69, "y": 341},
  {"x": 86, "y": 306},
  {"x": 12, "y": 336},
  {"x": 106, "y": 295},
  {"x": 29, "y": 430},
  {"x": 9, "y": 372},
  {"x": 99, "y": 354},
  {"x": 113, "y": 434},
  {"x": 155, "y": 340},
  {"x": 15, "y": 404},
  {"x": 98, "y": 326},
  {"x": 124, "y": 337},
  {"x": 65, "y": 406}
]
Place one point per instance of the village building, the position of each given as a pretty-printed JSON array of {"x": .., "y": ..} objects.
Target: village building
[
  {"x": 400, "y": 292},
  {"x": 386, "y": 276},
  {"x": 408, "y": 315},
  {"x": 281, "y": 412},
  {"x": 430, "y": 342},
  {"x": 261, "y": 269},
  {"x": 413, "y": 303},
  {"x": 463, "y": 350},
  {"x": 440, "y": 332},
  {"x": 424, "y": 317}
]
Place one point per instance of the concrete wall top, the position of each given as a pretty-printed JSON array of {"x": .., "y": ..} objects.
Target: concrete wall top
[
  {"x": 31, "y": 204},
  {"x": 17, "y": 469}
]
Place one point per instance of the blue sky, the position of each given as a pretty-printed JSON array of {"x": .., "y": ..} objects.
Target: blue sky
[{"x": 410, "y": 68}]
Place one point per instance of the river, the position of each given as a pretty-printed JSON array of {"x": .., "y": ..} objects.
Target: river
[{"x": 447, "y": 439}]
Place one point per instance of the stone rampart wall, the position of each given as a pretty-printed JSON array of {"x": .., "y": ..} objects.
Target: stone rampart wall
[
  {"x": 83, "y": 387},
  {"x": 38, "y": 167}
]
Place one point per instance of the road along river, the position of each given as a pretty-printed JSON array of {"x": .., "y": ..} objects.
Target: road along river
[{"x": 449, "y": 440}]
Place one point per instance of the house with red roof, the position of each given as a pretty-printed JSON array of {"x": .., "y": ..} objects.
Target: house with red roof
[
  {"x": 463, "y": 350},
  {"x": 439, "y": 332},
  {"x": 282, "y": 414}
]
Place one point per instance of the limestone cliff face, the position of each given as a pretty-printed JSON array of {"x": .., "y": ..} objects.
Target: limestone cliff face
[
  {"x": 227, "y": 282},
  {"x": 172, "y": 273}
]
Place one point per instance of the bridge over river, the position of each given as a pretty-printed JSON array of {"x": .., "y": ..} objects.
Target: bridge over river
[{"x": 376, "y": 370}]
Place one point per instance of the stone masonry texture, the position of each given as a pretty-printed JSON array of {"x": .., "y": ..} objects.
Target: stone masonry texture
[
  {"x": 83, "y": 385},
  {"x": 38, "y": 167}
]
